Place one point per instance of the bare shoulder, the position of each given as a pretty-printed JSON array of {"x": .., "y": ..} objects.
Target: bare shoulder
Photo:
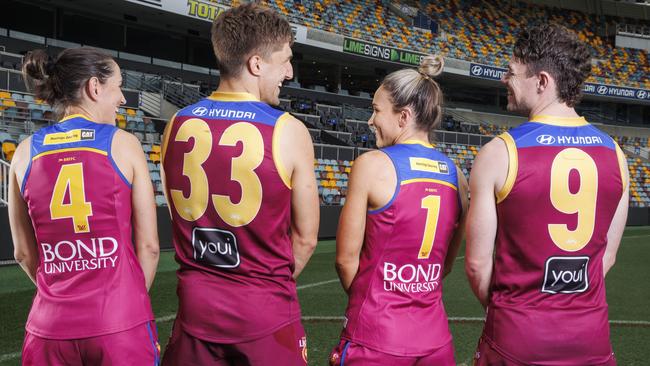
[
  {"x": 372, "y": 162},
  {"x": 493, "y": 149},
  {"x": 21, "y": 156},
  {"x": 293, "y": 124},
  {"x": 125, "y": 140}
]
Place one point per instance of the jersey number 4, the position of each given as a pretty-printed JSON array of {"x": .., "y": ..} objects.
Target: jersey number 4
[
  {"x": 242, "y": 171},
  {"x": 69, "y": 187}
]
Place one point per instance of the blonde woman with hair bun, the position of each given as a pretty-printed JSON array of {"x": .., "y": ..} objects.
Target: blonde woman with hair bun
[{"x": 400, "y": 230}]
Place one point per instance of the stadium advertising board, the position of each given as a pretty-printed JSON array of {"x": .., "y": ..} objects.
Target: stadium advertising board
[
  {"x": 616, "y": 91},
  {"x": 486, "y": 72},
  {"x": 495, "y": 73},
  {"x": 367, "y": 49},
  {"x": 206, "y": 10},
  {"x": 200, "y": 9}
]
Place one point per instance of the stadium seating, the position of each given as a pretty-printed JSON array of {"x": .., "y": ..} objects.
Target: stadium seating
[
  {"x": 21, "y": 114},
  {"x": 473, "y": 31}
]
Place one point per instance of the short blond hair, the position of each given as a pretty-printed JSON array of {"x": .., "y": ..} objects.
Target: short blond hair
[{"x": 242, "y": 31}]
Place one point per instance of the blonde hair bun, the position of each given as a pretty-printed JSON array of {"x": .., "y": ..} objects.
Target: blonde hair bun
[{"x": 432, "y": 65}]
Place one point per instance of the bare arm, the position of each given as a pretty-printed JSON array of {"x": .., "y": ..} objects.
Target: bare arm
[
  {"x": 352, "y": 224},
  {"x": 22, "y": 232},
  {"x": 129, "y": 157},
  {"x": 459, "y": 234},
  {"x": 490, "y": 167},
  {"x": 297, "y": 155},
  {"x": 617, "y": 226},
  {"x": 363, "y": 194}
]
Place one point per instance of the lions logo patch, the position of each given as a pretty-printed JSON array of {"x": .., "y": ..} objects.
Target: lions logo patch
[{"x": 303, "y": 345}]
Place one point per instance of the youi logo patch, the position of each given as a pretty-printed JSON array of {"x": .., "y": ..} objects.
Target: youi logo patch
[
  {"x": 566, "y": 275},
  {"x": 545, "y": 139},
  {"x": 200, "y": 111},
  {"x": 215, "y": 247}
]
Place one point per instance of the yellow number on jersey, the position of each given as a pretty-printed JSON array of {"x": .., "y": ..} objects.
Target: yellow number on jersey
[
  {"x": 432, "y": 204},
  {"x": 582, "y": 202},
  {"x": 194, "y": 206},
  {"x": 242, "y": 171},
  {"x": 71, "y": 180}
]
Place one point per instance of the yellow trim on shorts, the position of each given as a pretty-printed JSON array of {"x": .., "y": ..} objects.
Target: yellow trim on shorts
[
  {"x": 621, "y": 165},
  {"x": 428, "y": 180},
  {"x": 513, "y": 167},
  {"x": 102, "y": 152},
  {"x": 560, "y": 121},
  {"x": 275, "y": 147}
]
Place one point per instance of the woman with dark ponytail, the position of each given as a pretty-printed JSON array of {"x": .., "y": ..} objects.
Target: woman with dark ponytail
[
  {"x": 400, "y": 230},
  {"x": 78, "y": 190}
]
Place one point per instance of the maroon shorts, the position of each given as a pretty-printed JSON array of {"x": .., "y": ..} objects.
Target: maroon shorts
[
  {"x": 287, "y": 346},
  {"x": 487, "y": 355},
  {"x": 351, "y": 354},
  {"x": 136, "y": 346}
]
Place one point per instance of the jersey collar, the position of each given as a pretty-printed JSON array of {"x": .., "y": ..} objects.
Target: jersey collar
[
  {"x": 417, "y": 142},
  {"x": 560, "y": 121},
  {"x": 78, "y": 115},
  {"x": 233, "y": 97}
]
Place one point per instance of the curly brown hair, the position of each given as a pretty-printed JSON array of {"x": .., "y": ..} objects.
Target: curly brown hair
[
  {"x": 242, "y": 31},
  {"x": 559, "y": 52}
]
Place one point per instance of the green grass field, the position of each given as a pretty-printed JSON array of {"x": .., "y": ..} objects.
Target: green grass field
[{"x": 323, "y": 303}]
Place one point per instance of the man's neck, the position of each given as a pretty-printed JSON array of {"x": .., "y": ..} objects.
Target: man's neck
[
  {"x": 238, "y": 86},
  {"x": 553, "y": 108}
]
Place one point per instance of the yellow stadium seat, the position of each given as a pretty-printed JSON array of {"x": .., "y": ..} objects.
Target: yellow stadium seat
[
  {"x": 5, "y": 95},
  {"x": 155, "y": 149},
  {"x": 154, "y": 157},
  {"x": 8, "y": 150},
  {"x": 130, "y": 112}
]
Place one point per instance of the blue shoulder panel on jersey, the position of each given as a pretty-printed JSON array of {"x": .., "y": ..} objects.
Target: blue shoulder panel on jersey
[
  {"x": 415, "y": 161},
  {"x": 241, "y": 111},
  {"x": 532, "y": 134},
  {"x": 76, "y": 132}
]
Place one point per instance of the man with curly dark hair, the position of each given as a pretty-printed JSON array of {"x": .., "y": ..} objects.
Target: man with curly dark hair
[{"x": 550, "y": 198}]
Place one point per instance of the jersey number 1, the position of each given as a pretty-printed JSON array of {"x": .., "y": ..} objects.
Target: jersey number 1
[{"x": 432, "y": 205}]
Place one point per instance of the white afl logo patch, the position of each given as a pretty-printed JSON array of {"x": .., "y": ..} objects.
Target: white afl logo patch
[
  {"x": 199, "y": 111},
  {"x": 545, "y": 139}
]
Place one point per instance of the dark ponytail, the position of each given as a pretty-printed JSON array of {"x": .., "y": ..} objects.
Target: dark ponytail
[{"x": 59, "y": 81}]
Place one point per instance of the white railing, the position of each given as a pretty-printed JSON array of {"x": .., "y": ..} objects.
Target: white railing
[{"x": 4, "y": 183}]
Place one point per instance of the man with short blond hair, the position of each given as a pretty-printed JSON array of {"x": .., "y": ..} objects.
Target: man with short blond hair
[{"x": 240, "y": 184}]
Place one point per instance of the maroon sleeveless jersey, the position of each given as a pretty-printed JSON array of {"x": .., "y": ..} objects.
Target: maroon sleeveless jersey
[
  {"x": 88, "y": 281},
  {"x": 547, "y": 303},
  {"x": 230, "y": 202}
]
